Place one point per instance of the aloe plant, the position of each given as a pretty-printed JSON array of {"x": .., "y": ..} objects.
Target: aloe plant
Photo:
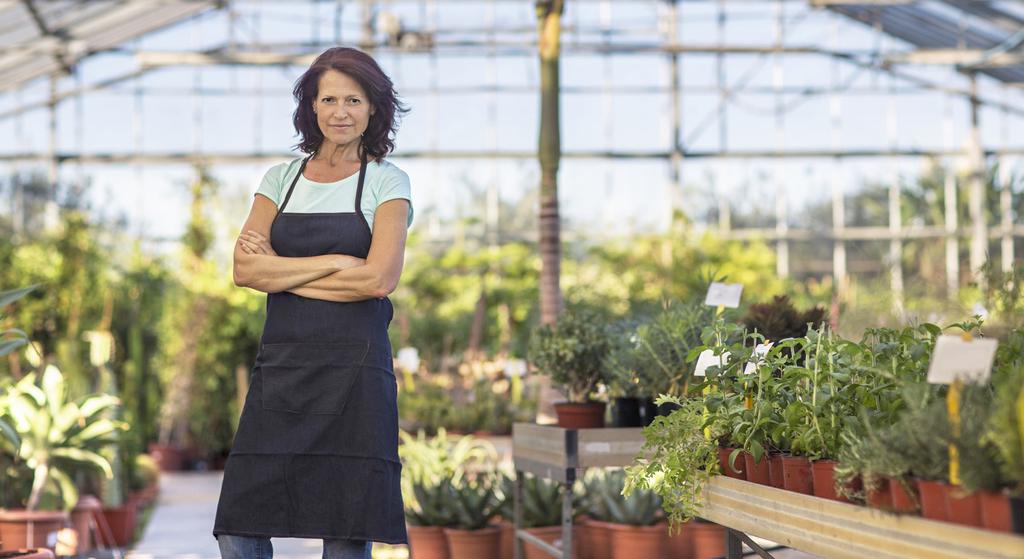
[
  {"x": 433, "y": 504},
  {"x": 475, "y": 502},
  {"x": 641, "y": 507},
  {"x": 542, "y": 500},
  {"x": 57, "y": 435}
]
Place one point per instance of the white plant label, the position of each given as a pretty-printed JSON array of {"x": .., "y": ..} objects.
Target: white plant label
[
  {"x": 707, "y": 358},
  {"x": 957, "y": 359},
  {"x": 759, "y": 352},
  {"x": 724, "y": 294}
]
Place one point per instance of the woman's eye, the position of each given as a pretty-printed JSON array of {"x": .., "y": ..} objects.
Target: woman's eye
[{"x": 354, "y": 100}]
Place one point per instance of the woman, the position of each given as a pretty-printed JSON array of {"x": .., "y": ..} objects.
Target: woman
[{"x": 316, "y": 451}]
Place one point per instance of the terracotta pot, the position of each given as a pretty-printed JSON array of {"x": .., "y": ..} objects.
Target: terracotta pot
[
  {"x": 82, "y": 516},
  {"x": 823, "y": 474},
  {"x": 933, "y": 499},
  {"x": 121, "y": 521},
  {"x": 904, "y": 501},
  {"x": 41, "y": 553},
  {"x": 507, "y": 541},
  {"x": 775, "y": 476},
  {"x": 680, "y": 546},
  {"x": 628, "y": 542},
  {"x": 964, "y": 508},
  {"x": 599, "y": 539},
  {"x": 723, "y": 462},
  {"x": 21, "y": 529},
  {"x": 995, "y": 510},
  {"x": 170, "y": 458},
  {"x": 757, "y": 472},
  {"x": 427, "y": 542},
  {"x": 880, "y": 497},
  {"x": 796, "y": 473},
  {"x": 708, "y": 540},
  {"x": 549, "y": 534},
  {"x": 580, "y": 415},
  {"x": 473, "y": 544}
]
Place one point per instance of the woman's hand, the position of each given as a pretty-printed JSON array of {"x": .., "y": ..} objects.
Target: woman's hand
[{"x": 255, "y": 243}]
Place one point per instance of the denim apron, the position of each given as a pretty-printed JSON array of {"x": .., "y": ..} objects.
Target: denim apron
[{"x": 316, "y": 451}]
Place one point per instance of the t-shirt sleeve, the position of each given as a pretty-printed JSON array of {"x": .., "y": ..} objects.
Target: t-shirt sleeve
[
  {"x": 270, "y": 186},
  {"x": 395, "y": 184}
]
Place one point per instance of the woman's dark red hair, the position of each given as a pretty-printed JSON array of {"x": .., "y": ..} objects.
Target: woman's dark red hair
[{"x": 379, "y": 138}]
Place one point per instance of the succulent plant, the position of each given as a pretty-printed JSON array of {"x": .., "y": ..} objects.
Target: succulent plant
[
  {"x": 542, "y": 501},
  {"x": 641, "y": 508},
  {"x": 433, "y": 504},
  {"x": 475, "y": 502}
]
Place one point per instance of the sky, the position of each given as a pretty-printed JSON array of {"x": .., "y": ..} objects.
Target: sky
[{"x": 623, "y": 113}]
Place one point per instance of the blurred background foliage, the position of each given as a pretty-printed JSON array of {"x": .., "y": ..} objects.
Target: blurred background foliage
[{"x": 185, "y": 337}]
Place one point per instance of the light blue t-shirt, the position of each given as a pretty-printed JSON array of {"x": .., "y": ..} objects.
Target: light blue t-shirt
[{"x": 384, "y": 181}]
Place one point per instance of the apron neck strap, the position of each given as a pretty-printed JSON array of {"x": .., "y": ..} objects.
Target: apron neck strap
[{"x": 292, "y": 187}]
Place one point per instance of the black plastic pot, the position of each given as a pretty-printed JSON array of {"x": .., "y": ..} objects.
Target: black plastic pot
[
  {"x": 1017, "y": 514},
  {"x": 626, "y": 412},
  {"x": 648, "y": 411},
  {"x": 667, "y": 408}
]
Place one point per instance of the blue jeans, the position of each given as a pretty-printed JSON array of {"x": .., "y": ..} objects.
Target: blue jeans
[{"x": 244, "y": 547}]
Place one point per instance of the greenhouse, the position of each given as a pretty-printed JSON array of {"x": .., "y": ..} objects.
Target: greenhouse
[{"x": 511, "y": 279}]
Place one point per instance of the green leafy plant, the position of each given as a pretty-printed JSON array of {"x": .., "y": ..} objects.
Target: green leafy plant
[
  {"x": 1006, "y": 425},
  {"x": 572, "y": 352},
  {"x": 666, "y": 342},
  {"x": 675, "y": 460},
  {"x": 625, "y": 363},
  {"x": 12, "y": 338},
  {"x": 430, "y": 461},
  {"x": 57, "y": 435}
]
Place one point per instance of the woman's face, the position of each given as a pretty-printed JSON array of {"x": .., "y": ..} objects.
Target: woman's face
[{"x": 342, "y": 108}]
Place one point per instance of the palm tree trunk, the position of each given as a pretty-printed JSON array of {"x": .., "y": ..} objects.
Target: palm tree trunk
[
  {"x": 549, "y": 28},
  {"x": 549, "y": 15}
]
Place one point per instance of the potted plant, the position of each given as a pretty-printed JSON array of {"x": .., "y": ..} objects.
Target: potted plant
[
  {"x": 474, "y": 504},
  {"x": 779, "y": 319},
  {"x": 57, "y": 437},
  {"x": 675, "y": 460},
  {"x": 629, "y": 384},
  {"x": 427, "y": 516},
  {"x": 1005, "y": 431},
  {"x": 541, "y": 513},
  {"x": 594, "y": 528},
  {"x": 573, "y": 352},
  {"x": 636, "y": 521},
  {"x": 666, "y": 342}
]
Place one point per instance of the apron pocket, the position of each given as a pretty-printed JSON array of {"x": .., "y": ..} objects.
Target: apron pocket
[{"x": 310, "y": 378}]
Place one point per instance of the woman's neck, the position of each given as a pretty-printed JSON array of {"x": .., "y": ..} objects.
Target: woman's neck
[{"x": 336, "y": 154}]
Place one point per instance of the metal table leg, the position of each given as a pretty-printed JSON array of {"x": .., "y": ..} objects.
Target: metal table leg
[
  {"x": 567, "y": 520},
  {"x": 517, "y": 513}
]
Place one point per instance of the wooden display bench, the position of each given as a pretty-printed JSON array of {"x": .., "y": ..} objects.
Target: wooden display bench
[
  {"x": 842, "y": 530},
  {"x": 803, "y": 522}
]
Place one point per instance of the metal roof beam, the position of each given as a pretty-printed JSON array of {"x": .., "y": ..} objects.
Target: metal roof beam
[{"x": 45, "y": 31}]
